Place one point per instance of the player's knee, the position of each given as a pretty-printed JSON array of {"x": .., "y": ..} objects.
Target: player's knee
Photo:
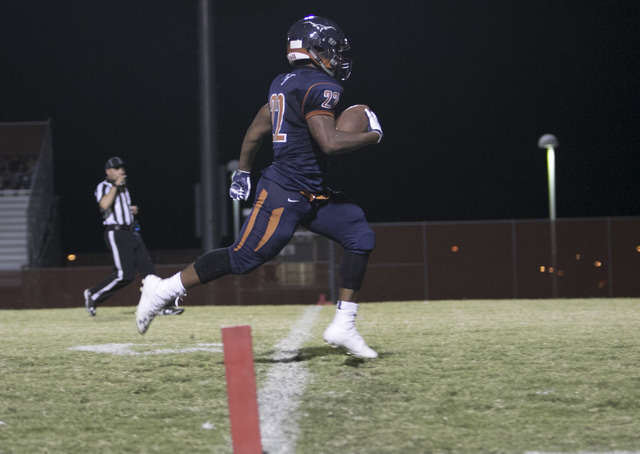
[
  {"x": 364, "y": 242},
  {"x": 212, "y": 265},
  {"x": 368, "y": 241}
]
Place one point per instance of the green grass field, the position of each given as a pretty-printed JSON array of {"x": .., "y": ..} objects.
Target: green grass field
[{"x": 508, "y": 376}]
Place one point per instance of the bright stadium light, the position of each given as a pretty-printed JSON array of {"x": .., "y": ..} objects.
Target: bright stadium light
[{"x": 550, "y": 142}]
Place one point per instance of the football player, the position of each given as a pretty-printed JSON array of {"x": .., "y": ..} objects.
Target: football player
[{"x": 300, "y": 118}]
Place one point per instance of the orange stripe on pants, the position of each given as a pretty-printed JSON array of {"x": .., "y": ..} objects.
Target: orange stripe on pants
[
  {"x": 252, "y": 220},
  {"x": 274, "y": 220}
]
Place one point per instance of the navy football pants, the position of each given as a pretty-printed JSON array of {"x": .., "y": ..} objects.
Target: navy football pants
[{"x": 277, "y": 213}]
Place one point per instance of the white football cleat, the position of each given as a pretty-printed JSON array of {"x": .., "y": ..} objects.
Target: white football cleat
[
  {"x": 339, "y": 336},
  {"x": 151, "y": 302}
]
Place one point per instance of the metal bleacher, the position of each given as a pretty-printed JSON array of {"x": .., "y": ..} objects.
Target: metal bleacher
[
  {"x": 14, "y": 248},
  {"x": 28, "y": 212}
]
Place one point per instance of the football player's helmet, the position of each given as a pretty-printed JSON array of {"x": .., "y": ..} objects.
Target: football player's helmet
[{"x": 321, "y": 41}]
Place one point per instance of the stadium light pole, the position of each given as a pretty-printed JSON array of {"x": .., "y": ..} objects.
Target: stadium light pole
[
  {"x": 210, "y": 195},
  {"x": 550, "y": 142},
  {"x": 232, "y": 166}
]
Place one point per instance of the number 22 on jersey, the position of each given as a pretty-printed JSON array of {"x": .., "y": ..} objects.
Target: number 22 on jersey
[{"x": 277, "y": 106}]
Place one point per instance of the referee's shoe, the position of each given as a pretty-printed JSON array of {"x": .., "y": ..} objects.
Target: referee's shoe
[{"x": 89, "y": 303}]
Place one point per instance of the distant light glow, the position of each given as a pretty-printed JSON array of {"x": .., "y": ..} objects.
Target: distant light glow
[
  {"x": 597, "y": 263},
  {"x": 543, "y": 269},
  {"x": 578, "y": 256},
  {"x": 71, "y": 257},
  {"x": 455, "y": 248}
]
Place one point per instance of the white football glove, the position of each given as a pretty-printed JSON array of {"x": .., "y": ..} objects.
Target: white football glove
[
  {"x": 374, "y": 124},
  {"x": 240, "y": 185}
]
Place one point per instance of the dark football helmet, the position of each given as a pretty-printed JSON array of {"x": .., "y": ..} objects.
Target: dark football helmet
[{"x": 321, "y": 41}]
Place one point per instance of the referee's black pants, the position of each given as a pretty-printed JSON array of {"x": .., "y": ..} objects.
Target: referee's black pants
[{"x": 129, "y": 254}]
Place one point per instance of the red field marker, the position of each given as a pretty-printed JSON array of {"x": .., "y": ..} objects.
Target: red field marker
[
  {"x": 322, "y": 300},
  {"x": 241, "y": 390}
]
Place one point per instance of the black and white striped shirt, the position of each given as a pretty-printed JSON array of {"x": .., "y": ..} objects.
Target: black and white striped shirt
[{"x": 119, "y": 213}]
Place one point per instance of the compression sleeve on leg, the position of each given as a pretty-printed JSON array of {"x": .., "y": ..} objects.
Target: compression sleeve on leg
[
  {"x": 352, "y": 270},
  {"x": 212, "y": 265}
]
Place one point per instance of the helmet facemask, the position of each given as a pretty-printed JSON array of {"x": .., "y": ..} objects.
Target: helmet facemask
[{"x": 332, "y": 61}]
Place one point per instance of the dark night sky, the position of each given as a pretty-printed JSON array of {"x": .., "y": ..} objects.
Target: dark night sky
[{"x": 463, "y": 90}]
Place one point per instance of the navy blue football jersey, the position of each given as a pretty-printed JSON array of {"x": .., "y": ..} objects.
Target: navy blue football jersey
[{"x": 298, "y": 163}]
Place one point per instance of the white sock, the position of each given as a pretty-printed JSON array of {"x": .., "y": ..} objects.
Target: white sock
[
  {"x": 347, "y": 306},
  {"x": 345, "y": 316},
  {"x": 174, "y": 285}
]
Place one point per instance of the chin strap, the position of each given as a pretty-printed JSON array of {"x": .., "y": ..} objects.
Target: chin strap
[{"x": 318, "y": 61}]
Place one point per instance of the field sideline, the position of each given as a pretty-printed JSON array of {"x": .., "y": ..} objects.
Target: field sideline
[{"x": 492, "y": 376}]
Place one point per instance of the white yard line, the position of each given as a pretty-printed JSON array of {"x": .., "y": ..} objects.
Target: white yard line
[
  {"x": 279, "y": 397},
  {"x": 144, "y": 349}
]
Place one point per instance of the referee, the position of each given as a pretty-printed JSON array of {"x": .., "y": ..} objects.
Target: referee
[{"x": 122, "y": 237}]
